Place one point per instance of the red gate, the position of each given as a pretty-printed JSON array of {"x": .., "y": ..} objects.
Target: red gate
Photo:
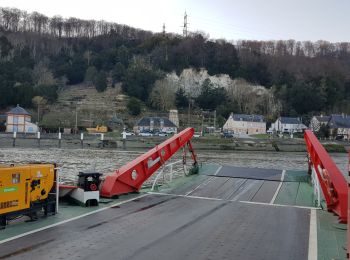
[{"x": 333, "y": 183}]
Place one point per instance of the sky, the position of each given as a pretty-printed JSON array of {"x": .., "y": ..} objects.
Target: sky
[{"x": 230, "y": 19}]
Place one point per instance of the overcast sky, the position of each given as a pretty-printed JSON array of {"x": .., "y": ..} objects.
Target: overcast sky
[{"x": 230, "y": 19}]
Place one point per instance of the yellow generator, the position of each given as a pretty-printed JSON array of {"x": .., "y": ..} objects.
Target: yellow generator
[
  {"x": 27, "y": 189},
  {"x": 97, "y": 129}
]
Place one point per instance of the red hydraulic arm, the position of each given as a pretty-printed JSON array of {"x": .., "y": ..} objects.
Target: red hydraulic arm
[
  {"x": 130, "y": 177},
  {"x": 333, "y": 183},
  {"x": 348, "y": 253}
]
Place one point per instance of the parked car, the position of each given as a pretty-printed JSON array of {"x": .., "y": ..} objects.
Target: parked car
[
  {"x": 196, "y": 135},
  {"x": 145, "y": 134},
  {"x": 162, "y": 134},
  {"x": 227, "y": 135},
  {"x": 339, "y": 137}
]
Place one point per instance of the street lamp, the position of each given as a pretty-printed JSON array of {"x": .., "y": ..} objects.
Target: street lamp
[{"x": 76, "y": 116}]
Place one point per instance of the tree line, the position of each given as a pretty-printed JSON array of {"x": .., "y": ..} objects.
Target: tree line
[
  {"x": 15, "y": 20},
  {"x": 39, "y": 55}
]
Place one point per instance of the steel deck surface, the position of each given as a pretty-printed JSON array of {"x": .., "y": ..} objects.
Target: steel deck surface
[
  {"x": 170, "y": 227},
  {"x": 249, "y": 173},
  {"x": 201, "y": 217}
]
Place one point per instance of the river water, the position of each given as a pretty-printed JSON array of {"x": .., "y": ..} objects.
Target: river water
[{"x": 106, "y": 161}]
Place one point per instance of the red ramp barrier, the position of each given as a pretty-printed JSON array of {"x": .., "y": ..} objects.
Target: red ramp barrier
[
  {"x": 333, "y": 183},
  {"x": 130, "y": 177}
]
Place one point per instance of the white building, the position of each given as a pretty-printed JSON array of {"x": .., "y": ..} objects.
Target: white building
[
  {"x": 245, "y": 124},
  {"x": 287, "y": 125},
  {"x": 19, "y": 120}
]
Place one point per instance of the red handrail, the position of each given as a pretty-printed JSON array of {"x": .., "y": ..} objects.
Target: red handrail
[
  {"x": 333, "y": 183},
  {"x": 348, "y": 252},
  {"x": 130, "y": 177}
]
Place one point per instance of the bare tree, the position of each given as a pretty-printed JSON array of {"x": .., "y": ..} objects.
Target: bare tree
[
  {"x": 163, "y": 95},
  {"x": 40, "y": 102}
]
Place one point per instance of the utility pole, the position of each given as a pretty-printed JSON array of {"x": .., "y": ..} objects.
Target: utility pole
[
  {"x": 38, "y": 113},
  {"x": 185, "y": 27},
  {"x": 214, "y": 120},
  {"x": 166, "y": 45},
  {"x": 76, "y": 119},
  {"x": 189, "y": 112},
  {"x": 76, "y": 116}
]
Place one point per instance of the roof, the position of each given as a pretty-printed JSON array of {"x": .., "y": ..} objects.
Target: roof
[
  {"x": 249, "y": 118},
  {"x": 18, "y": 111},
  {"x": 339, "y": 121},
  {"x": 323, "y": 119},
  {"x": 145, "y": 121},
  {"x": 290, "y": 120}
]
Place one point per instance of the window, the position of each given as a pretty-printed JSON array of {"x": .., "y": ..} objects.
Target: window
[
  {"x": 16, "y": 178},
  {"x": 15, "y": 119}
]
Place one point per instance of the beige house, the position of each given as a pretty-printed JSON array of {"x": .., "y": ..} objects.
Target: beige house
[
  {"x": 19, "y": 120},
  {"x": 245, "y": 124}
]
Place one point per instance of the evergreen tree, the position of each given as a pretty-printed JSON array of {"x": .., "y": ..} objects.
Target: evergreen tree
[
  {"x": 134, "y": 106},
  {"x": 181, "y": 99},
  {"x": 101, "y": 82}
]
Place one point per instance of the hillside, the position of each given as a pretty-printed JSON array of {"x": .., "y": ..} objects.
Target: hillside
[{"x": 48, "y": 57}]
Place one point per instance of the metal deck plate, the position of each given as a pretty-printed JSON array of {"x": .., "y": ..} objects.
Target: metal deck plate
[
  {"x": 249, "y": 173},
  {"x": 226, "y": 188},
  {"x": 169, "y": 227}
]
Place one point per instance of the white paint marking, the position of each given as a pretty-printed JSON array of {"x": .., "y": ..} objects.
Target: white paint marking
[
  {"x": 185, "y": 196},
  {"x": 312, "y": 255},
  {"x": 217, "y": 171},
  {"x": 71, "y": 219},
  {"x": 283, "y": 174},
  {"x": 278, "y": 188},
  {"x": 277, "y": 205},
  {"x": 242, "y": 201}
]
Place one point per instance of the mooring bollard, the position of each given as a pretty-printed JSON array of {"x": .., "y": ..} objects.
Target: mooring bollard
[
  {"x": 124, "y": 140},
  {"x": 102, "y": 138},
  {"x": 59, "y": 139},
  {"x": 14, "y": 139},
  {"x": 82, "y": 140},
  {"x": 38, "y": 139}
]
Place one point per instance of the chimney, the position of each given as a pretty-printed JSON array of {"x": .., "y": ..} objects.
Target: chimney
[{"x": 173, "y": 117}]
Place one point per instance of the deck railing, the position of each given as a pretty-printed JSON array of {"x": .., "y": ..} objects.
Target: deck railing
[
  {"x": 332, "y": 182},
  {"x": 168, "y": 171}
]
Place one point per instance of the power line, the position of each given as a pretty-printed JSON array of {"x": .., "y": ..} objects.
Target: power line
[{"x": 185, "y": 26}]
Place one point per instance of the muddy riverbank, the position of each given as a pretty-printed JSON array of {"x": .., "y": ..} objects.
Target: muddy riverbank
[
  {"x": 107, "y": 161},
  {"x": 135, "y": 142}
]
